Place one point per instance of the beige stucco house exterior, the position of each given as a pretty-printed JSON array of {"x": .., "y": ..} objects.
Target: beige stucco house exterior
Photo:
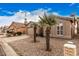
[{"x": 65, "y": 27}]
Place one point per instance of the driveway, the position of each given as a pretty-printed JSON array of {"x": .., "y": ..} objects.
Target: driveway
[
  {"x": 15, "y": 38},
  {"x": 5, "y": 47}
]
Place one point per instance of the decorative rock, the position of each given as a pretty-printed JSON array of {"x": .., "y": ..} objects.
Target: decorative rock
[{"x": 69, "y": 49}]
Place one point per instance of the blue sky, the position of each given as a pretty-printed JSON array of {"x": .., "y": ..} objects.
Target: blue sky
[
  {"x": 61, "y": 8},
  {"x": 13, "y": 11}
]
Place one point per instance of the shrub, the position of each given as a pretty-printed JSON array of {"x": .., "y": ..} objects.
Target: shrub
[{"x": 18, "y": 33}]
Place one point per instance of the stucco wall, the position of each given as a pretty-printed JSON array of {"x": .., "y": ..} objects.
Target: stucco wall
[
  {"x": 30, "y": 31},
  {"x": 19, "y": 29},
  {"x": 66, "y": 30}
]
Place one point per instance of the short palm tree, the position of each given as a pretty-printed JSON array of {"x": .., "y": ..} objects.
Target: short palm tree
[
  {"x": 34, "y": 28},
  {"x": 48, "y": 21},
  {"x": 41, "y": 30}
]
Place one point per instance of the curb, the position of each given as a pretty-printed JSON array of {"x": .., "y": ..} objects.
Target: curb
[{"x": 8, "y": 49}]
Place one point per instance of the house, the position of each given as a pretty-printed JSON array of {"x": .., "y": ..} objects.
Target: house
[
  {"x": 18, "y": 27},
  {"x": 65, "y": 27},
  {"x": 30, "y": 28}
]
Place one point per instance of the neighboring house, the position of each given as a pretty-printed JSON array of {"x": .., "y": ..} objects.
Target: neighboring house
[
  {"x": 18, "y": 27},
  {"x": 30, "y": 28},
  {"x": 65, "y": 27}
]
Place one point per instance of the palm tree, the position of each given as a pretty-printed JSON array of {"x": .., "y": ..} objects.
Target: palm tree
[
  {"x": 48, "y": 21},
  {"x": 41, "y": 30},
  {"x": 34, "y": 28}
]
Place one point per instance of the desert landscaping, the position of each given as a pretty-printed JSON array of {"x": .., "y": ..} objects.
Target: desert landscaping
[{"x": 24, "y": 46}]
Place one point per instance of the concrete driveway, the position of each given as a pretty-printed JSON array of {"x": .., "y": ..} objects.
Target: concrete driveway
[
  {"x": 15, "y": 38},
  {"x": 6, "y": 47}
]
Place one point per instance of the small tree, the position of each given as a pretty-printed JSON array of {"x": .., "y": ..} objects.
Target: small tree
[
  {"x": 48, "y": 21},
  {"x": 41, "y": 30},
  {"x": 34, "y": 28}
]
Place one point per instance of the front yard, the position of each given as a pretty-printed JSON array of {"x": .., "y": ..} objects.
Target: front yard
[{"x": 26, "y": 47}]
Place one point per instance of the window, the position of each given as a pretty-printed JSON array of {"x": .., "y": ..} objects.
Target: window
[
  {"x": 57, "y": 29},
  {"x": 60, "y": 29}
]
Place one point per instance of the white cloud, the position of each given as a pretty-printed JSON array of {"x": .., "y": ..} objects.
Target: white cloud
[
  {"x": 19, "y": 16},
  {"x": 8, "y": 12},
  {"x": 55, "y": 13}
]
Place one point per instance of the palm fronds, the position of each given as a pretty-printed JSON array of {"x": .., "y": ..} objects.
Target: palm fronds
[{"x": 47, "y": 20}]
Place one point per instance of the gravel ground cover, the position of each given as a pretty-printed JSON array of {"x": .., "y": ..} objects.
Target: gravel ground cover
[{"x": 26, "y": 47}]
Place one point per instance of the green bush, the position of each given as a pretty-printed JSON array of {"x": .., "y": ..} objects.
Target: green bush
[{"x": 18, "y": 33}]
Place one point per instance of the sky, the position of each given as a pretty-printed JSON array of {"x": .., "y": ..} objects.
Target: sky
[{"x": 10, "y": 12}]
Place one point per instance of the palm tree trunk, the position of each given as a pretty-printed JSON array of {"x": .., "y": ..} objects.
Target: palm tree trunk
[
  {"x": 41, "y": 32},
  {"x": 48, "y": 39},
  {"x": 35, "y": 33}
]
